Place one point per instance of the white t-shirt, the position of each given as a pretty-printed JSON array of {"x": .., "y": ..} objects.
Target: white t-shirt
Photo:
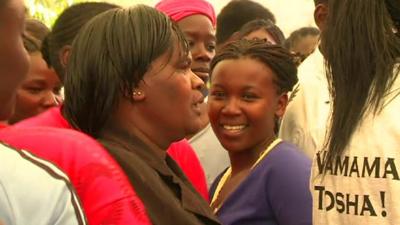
[
  {"x": 363, "y": 187},
  {"x": 35, "y": 191},
  {"x": 305, "y": 120},
  {"x": 212, "y": 155}
]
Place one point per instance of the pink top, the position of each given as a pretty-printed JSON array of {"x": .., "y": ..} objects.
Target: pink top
[
  {"x": 180, "y": 151},
  {"x": 187, "y": 159}
]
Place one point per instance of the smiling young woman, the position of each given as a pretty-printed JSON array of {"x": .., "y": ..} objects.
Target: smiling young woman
[{"x": 268, "y": 178}]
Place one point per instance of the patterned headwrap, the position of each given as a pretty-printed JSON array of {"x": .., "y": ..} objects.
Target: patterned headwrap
[{"x": 180, "y": 9}]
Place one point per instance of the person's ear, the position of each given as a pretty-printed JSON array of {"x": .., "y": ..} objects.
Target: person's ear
[
  {"x": 63, "y": 55},
  {"x": 321, "y": 15},
  {"x": 281, "y": 105},
  {"x": 138, "y": 95}
]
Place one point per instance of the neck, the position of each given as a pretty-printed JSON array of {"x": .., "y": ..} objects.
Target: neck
[
  {"x": 244, "y": 160},
  {"x": 131, "y": 120}
]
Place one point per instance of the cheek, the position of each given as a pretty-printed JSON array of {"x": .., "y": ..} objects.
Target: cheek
[
  {"x": 262, "y": 117},
  {"x": 14, "y": 63},
  {"x": 180, "y": 89},
  {"x": 26, "y": 99},
  {"x": 20, "y": 60},
  {"x": 212, "y": 110}
]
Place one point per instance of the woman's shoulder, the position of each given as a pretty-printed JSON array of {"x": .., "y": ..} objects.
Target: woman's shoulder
[
  {"x": 288, "y": 152},
  {"x": 284, "y": 160}
]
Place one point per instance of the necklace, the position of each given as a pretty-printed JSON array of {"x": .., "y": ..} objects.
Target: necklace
[{"x": 228, "y": 172}]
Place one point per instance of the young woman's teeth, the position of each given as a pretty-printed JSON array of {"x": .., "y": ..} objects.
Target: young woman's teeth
[{"x": 234, "y": 128}]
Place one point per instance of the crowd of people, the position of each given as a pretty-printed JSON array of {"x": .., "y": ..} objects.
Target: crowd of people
[{"x": 174, "y": 115}]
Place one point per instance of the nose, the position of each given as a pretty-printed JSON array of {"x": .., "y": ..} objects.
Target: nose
[
  {"x": 197, "y": 83},
  {"x": 231, "y": 107},
  {"x": 201, "y": 53},
  {"x": 50, "y": 99}
]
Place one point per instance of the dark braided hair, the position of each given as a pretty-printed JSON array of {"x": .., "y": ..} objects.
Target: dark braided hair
[
  {"x": 267, "y": 25},
  {"x": 274, "y": 56}
]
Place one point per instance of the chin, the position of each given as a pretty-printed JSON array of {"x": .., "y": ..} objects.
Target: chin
[
  {"x": 232, "y": 147},
  {"x": 195, "y": 126}
]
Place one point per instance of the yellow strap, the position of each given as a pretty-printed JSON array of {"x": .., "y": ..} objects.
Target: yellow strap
[{"x": 227, "y": 173}]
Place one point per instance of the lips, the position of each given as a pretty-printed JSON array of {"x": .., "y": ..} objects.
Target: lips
[
  {"x": 199, "y": 100},
  {"x": 202, "y": 72}
]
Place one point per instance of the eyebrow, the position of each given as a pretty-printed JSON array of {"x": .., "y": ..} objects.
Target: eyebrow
[
  {"x": 36, "y": 81},
  {"x": 194, "y": 33},
  {"x": 246, "y": 87}
]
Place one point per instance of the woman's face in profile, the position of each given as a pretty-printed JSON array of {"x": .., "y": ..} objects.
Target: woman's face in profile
[{"x": 172, "y": 94}]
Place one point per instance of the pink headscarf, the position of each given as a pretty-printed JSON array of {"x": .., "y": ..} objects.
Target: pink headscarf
[{"x": 180, "y": 9}]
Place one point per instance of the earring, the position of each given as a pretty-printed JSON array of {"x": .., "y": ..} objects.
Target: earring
[{"x": 136, "y": 93}]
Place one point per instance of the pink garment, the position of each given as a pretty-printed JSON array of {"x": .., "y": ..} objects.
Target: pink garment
[
  {"x": 50, "y": 118},
  {"x": 187, "y": 159},
  {"x": 180, "y": 9},
  {"x": 180, "y": 151},
  {"x": 105, "y": 192}
]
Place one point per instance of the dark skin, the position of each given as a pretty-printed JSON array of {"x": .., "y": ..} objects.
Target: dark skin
[
  {"x": 242, "y": 112},
  {"x": 200, "y": 34}
]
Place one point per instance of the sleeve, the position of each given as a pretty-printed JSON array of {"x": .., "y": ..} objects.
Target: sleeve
[
  {"x": 6, "y": 214},
  {"x": 35, "y": 191},
  {"x": 288, "y": 189}
]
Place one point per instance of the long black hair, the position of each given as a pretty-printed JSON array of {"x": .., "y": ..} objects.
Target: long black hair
[
  {"x": 109, "y": 58},
  {"x": 361, "y": 50}
]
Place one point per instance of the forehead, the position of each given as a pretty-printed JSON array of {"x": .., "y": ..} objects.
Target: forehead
[
  {"x": 241, "y": 71},
  {"x": 197, "y": 24}
]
